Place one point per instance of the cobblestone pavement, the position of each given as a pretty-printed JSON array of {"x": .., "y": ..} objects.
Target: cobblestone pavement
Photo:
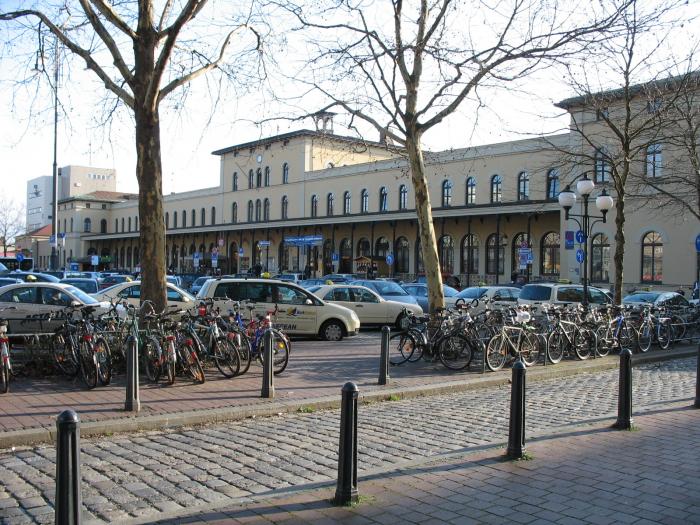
[{"x": 145, "y": 474}]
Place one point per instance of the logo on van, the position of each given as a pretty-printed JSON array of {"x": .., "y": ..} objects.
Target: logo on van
[{"x": 294, "y": 312}]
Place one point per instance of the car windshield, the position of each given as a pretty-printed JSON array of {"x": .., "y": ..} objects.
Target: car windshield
[
  {"x": 85, "y": 286},
  {"x": 81, "y": 296},
  {"x": 649, "y": 297},
  {"x": 200, "y": 281},
  {"x": 313, "y": 289},
  {"x": 535, "y": 292},
  {"x": 449, "y": 291},
  {"x": 472, "y": 293},
  {"x": 3, "y": 268},
  {"x": 387, "y": 288}
]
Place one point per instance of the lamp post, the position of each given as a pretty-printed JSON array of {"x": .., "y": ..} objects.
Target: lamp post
[
  {"x": 53, "y": 261},
  {"x": 603, "y": 202}
]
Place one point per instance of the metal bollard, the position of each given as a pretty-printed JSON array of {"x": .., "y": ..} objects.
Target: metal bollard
[
  {"x": 384, "y": 358},
  {"x": 697, "y": 382},
  {"x": 346, "y": 489},
  {"x": 268, "y": 385},
  {"x": 516, "y": 429},
  {"x": 68, "y": 497},
  {"x": 624, "y": 397},
  {"x": 133, "y": 401}
]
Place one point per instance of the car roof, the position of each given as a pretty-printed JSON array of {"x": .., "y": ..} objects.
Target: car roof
[{"x": 50, "y": 284}]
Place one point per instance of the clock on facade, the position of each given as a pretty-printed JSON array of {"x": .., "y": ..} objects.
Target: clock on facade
[{"x": 259, "y": 158}]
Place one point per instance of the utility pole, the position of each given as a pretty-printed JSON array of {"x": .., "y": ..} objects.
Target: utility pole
[{"x": 53, "y": 264}]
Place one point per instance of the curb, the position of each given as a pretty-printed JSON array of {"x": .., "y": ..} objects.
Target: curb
[{"x": 34, "y": 436}]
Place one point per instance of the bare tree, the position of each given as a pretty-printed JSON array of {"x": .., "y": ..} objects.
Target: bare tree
[
  {"x": 11, "y": 222},
  {"x": 141, "y": 57},
  {"x": 403, "y": 68}
]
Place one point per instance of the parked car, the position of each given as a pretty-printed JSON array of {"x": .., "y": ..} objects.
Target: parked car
[
  {"x": 339, "y": 277},
  {"x": 420, "y": 293},
  {"x": 671, "y": 299},
  {"x": 295, "y": 278},
  {"x": 498, "y": 295},
  {"x": 551, "y": 293},
  {"x": 299, "y": 312},
  {"x": 389, "y": 290},
  {"x": 448, "y": 279},
  {"x": 308, "y": 283},
  {"x": 197, "y": 284},
  {"x": 131, "y": 292},
  {"x": 34, "y": 277},
  {"x": 370, "y": 308},
  {"x": 174, "y": 279},
  {"x": 89, "y": 286},
  {"x": 4, "y": 281},
  {"x": 111, "y": 280}
]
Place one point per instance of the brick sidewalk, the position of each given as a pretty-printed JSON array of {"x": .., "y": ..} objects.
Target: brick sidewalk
[{"x": 595, "y": 475}]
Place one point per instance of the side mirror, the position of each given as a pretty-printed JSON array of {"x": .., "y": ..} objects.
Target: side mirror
[
  {"x": 308, "y": 302},
  {"x": 76, "y": 304}
]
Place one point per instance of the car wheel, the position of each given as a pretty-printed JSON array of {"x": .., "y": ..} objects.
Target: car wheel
[{"x": 332, "y": 331}]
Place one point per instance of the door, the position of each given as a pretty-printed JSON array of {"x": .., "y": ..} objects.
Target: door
[
  {"x": 374, "y": 310},
  {"x": 23, "y": 302},
  {"x": 297, "y": 313}
]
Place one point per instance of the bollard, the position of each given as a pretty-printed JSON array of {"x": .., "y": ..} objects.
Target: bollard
[
  {"x": 697, "y": 382},
  {"x": 133, "y": 401},
  {"x": 384, "y": 358},
  {"x": 516, "y": 429},
  {"x": 624, "y": 397},
  {"x": 346, "y": 489},
  {"x": 268, "y": 386},
  {"x": 68, "y": 498}
]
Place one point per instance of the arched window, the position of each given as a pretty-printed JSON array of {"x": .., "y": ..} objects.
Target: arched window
[
  {"x": 251, "y": 179},
  {"x": 103, "y": 226},
  {"x": 552, "y": 184},
  {"x": 470, "y": 254},
  {"x": 266, "y": 210},
  {"x": 495, "y": 252},
  {"x": 285, "y": 207},
  {"x": 136, "y": 223},
  {"x": 383, "y": 199},
  {"x": 330, "y": 200},
  {"x": 87, "y": 225},
  {"x": 267, "y": 175},
  {"x": 446, "y": 253},
  {"x": 129, "y": 223},
  {"x": 346, "y": 203},
  {"x": 174, "y": 219},
  {"x": 258, "y": 210},
  {"x": 381, "y": 247},
  {"x": 234, "y": 183},
  {"x": 523, "y": 186},
  {"x": 345, "y": 265},
  {"x": 167, "y": 221},
  {"x": 116, "y": 225},
  {"x": 258, "y": 178},
  {"x": 446, "y": 193},
  {"x": 600, "y": 258},
  {"x": 363, "y": 247},
  {"x": 364, "y": 201},
  {"x": 401, "y": 255},
  {"x": 601, "y": 165},
  {"x": 128, "y": 257},
  {"x": 314, "y": 205},
  {"x": 71, "y": 226},
  {"x": 549, "y": 254},
  {"x": 470, "y": 197},
  {"x": 203, "y": 217},
  {"x": 184, "y": 219},
  {"x": 250, "y": 211},
  {"x": 521, "y": 240},
  {"x": 652, "y": 258},
  {"x": 496, "y": 188},
  {"x": 403, "y": 197},
  {"x": 654, "y": 159},
  {"x": 213, "y": 215},
  {"x": 285, "y": 173},
  {"x": 283, "y": 256},
  {"x": 123, "y": 224},
  {"x": 234, "y": 212},
  {"x": 194, "y": 218}
]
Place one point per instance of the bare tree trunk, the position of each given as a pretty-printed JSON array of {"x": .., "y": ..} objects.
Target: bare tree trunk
[
  {"x": 619, "y": 256},
  {"x": 431, "y": 263}
]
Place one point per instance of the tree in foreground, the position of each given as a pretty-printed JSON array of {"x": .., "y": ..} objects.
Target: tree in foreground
[
  {"x": 143, "y": 52},
  {"x": 11, "y": 223}
]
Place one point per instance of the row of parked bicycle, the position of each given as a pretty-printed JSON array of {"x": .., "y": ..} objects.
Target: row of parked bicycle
[
  {"x": 168, "y": 344},
  {"x": 544, "y": 333}
]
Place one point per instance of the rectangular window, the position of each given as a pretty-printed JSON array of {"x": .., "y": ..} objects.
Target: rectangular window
[{"x": 654, "y": 160}]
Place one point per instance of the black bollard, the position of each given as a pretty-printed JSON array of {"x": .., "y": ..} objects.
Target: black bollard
[
  {"x": 697, "y": 382},
  {"x": 268, "y": 386},
  {"x": 516, "y": 429},
  {"x": 133, "y": 401},
  {"x": 68, "y": 498},
  {"x": 346, "y": 489},
  {"x": 624, "y": 397},
  {"x": 384, "y": 358}
]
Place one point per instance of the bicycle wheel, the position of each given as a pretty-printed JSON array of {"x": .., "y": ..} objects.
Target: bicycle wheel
[
  {"x": 626, "y": 337},
  {"x": 529, "y": 348},
  {"x": 241, "y": 343},
  {"x": 584, "y": 343},
  {"x": 88, "y": 365},
  {"x": 555, "y": 346},
  {"x": 644, "y": 336},
  {"x": 455, "y": 352},
  {"x": 604, "y": 338},
  {"x": 226, "y": 358},
  {"x": 190, "y": 362},
  {"x": 151, "y": 355},
  {"x": 280, "y": 352},
  {"x": 4, "y": 377},
  {"x": 663, "y": 334},
  {"x": 496, "y": 352},
  {"x": 401, "y": 347},
  {"x": 103, "y": 357},
  {"x": 418, "y": 345},
  {"x": 678, "y": 328},
  {"x": 64, "y": 355},
  {"x": 169, "y": 363}
]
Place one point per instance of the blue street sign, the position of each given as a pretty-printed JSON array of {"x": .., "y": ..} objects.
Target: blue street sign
[
  {"x": 263, "y": 243},
  {"x": 61, "y": 235},
  {"x": 580, "y": 237},
  {"x": 74, "y": 267},
  {"x": 697, "y": 243},
  {"x": 569, "y": 240},
  {"x": 579, "y": 255},
  {"x": 19, "y": 257},
  {"x": 240, "y": 251},
  {"x": 390, "y": 259},
  {"x": 52, "y": 239},
  {"x": 334, "y": 257}
]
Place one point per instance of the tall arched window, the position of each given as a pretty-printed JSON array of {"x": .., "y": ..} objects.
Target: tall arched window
[
  {"x": 250, "y": 211},
  {"x": 549, "y": 254},
  {"x": 470, "y": 253},
  {"x": 345, "y": 265},
  {"x": 184, "y": 219},
  {"x": 330, "y": 201},
  {"x": 116, "y": 225},
  {"x": 251, "y": 179},
  {"x": 446, "y": 193},
  {"x": 496, "y": 188},
  {"x": 314, "y": 205},
  {"x": 258, "y": 177},
  {"x": 654, "y": 159},
  {"x": 470, "y": 197},
  {"x": 601, "y": 166},
  {"x": 258, "y": 210},
  {"x": 552, "y": 184},
  {"x": 495, "y": 254},
  {"x": 174, "y": 219},
  {"x": 519, "y": 241},
  {"x": 71, "y": 226},
  {"x": 167, "y": 221},
  {"x": 123, "y": 224},
  {"x": 383, "y": 199},
  {"x": 266, "y": 210},
  {"x": 403, "y": 197},
  {"x": 346, "y": 203},
  {"x": 283, "y": 256},
  {"x": 103, "y": 226},
  {"x": 234, "y": 212},
  {"x": 193, "y": 216},
  {"x": 363, "y": 247},
  {"x": 285, "y": 207},
  {"x": 136, "y": 223},
  {"x": 285, "y": 173},
  {"x": 364, "y": 201},
  {"x": 523, "y": 186},
  {"x": 129, "y": 222},
  {"x": 652, "y": 258},
  {"x": 600, "y": 258},
  {"x": 213, "y": 215},
  {"x": 87, "y": 225},
  {"x": 203, "y": 217},
  {"x": 267, "y": 175},
  {"x": 446, "y": 252},
  {"x": 381, "y": 247},
  {"x": 401, "y": 255},
  {"x": 234, "y": 182}
]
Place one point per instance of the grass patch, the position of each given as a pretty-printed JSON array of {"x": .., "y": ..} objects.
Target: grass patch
[
  {"x": 361, "y": 500},
  {"x": 306, "y": 410},
  {"x": 526, "y": 457},
  {"x": 394, "y": 397}
]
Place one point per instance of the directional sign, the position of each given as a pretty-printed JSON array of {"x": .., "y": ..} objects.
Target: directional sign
[
  {"x": 19, "y": 257},
  {"x": 95, "y": 260},
  {"x": 580, "y": 237},
  {"x": 74, "y": 267},
  {"x": 61, "y": 235},
  {"x": 240, "y": 251},
  {"x": 569, "y": 240},
  {"x": 389, "y": 259},
  {"x": 263, "y": 243},
  {"x": 579, "y": 255},
  {"x": 334, "y": 257},
  {"x": 697, "y": 243}
]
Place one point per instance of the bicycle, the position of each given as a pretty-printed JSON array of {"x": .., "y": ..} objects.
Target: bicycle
[
  {"x": 516, "y": 340},
  {"x": 6, "y": 371},
  {"x": 146, "y": 345},
  {"x": 567, "y": 335}
]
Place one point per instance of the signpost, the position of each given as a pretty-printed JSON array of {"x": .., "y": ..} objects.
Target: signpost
[
  {"x": 221, "y": 243},
  {"x": 334, "y": 257},
  {"x": 19, "y": 257},
  {"x": 579, "y": 255},
  {"x": 697, "y": 243},
  {"x": 74, "y": 267},
  {"x": 389, "y": 259},
  {"x": 263, "y": 244},
  {"x": 95, "y": 261},
  {"x": 195, "y": 260},
  {"x": 580, "y": 237},
  {"x": 240, "y": 252},
  {"x": 569, "y": 240}
]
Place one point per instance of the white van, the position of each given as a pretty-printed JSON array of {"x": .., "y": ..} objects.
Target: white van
[{"x": 551, "y": 293}]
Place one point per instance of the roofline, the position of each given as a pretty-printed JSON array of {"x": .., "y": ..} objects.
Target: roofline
[{"x": 90, "y": 197}]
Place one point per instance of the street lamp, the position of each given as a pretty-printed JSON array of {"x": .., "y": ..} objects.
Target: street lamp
[{"x": 603, "y": 202}]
